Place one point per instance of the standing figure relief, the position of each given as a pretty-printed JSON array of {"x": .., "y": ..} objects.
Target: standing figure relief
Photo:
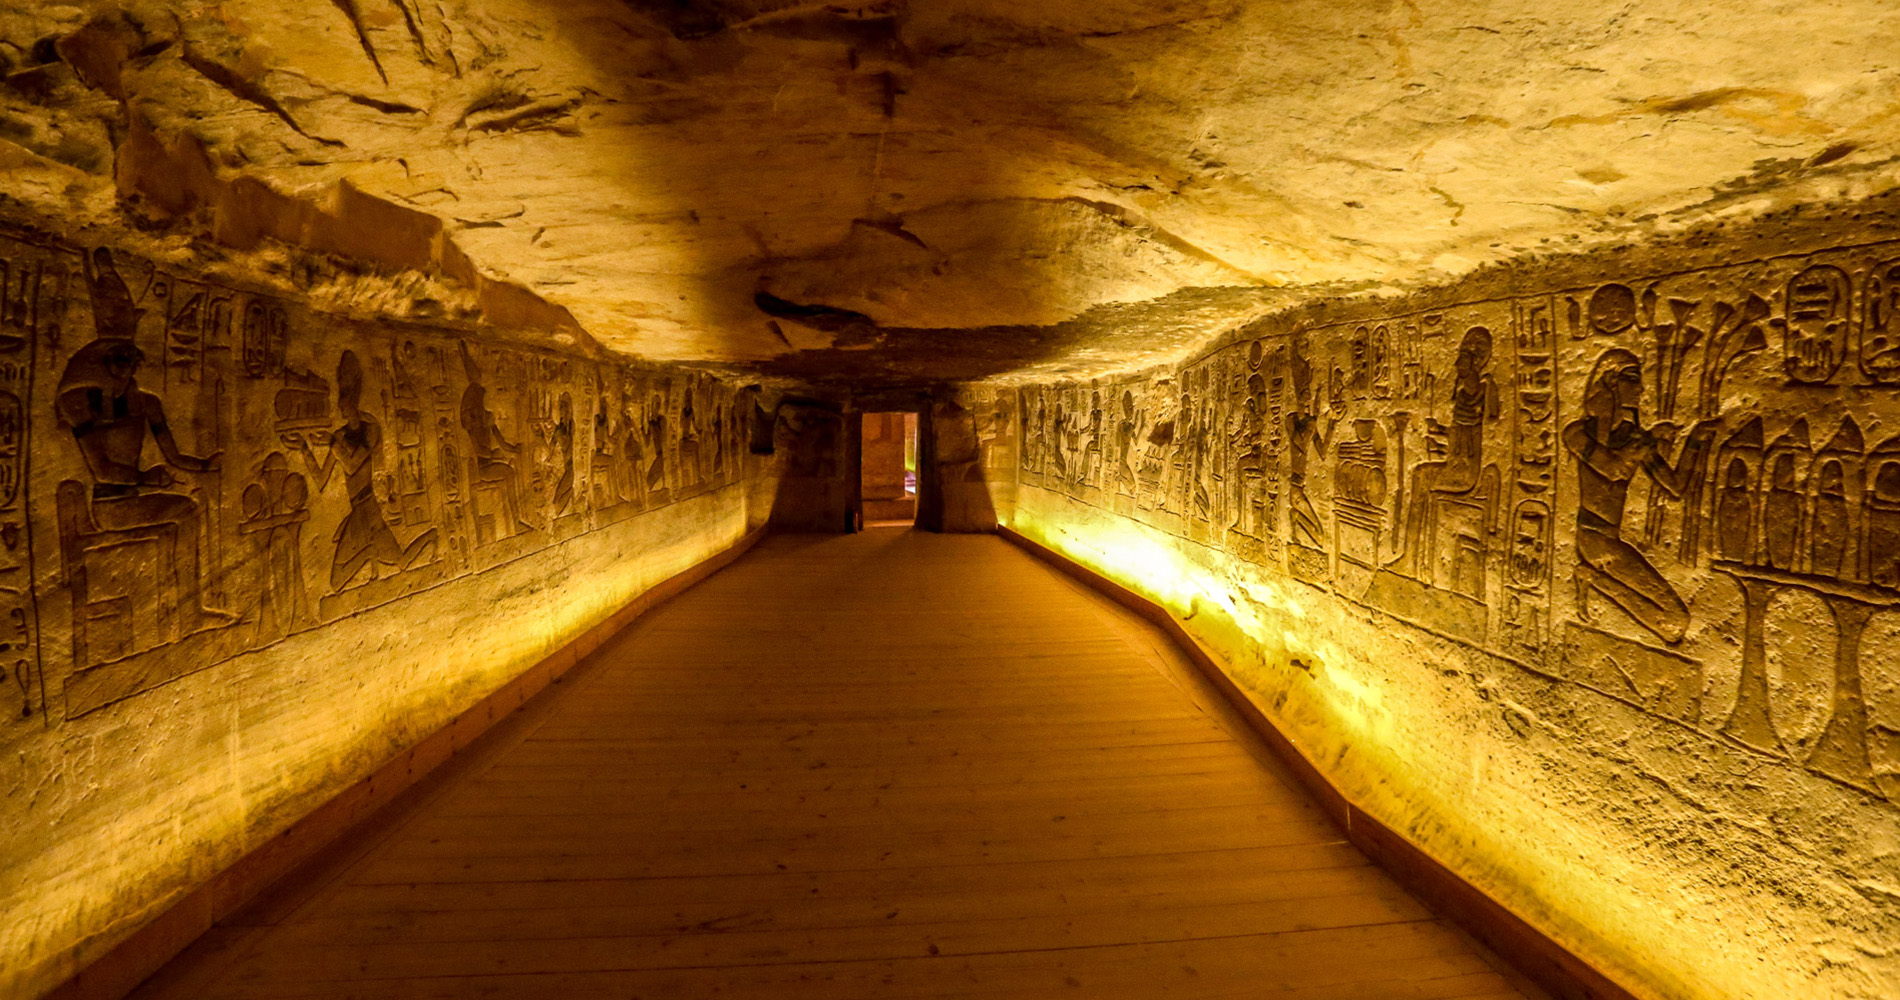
[
  {"x": 563, "y": 444},
  {"x": 1308, "y": 434},
  {"x": 494, "y": 455}
]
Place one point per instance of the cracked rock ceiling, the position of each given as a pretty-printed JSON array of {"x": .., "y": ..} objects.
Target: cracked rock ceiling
[{"x": 935, "y": 189}]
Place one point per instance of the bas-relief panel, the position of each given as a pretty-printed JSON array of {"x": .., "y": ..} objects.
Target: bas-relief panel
[
  {"x": 1680, "y": 490},
  {"x": 190, "y": 471}
]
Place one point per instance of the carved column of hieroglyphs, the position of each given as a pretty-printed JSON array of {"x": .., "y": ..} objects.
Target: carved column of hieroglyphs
[{"x": 34, "y": 285}]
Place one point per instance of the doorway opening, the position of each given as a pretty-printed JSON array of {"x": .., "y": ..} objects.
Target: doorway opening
[{"x": 888, "y": 469}]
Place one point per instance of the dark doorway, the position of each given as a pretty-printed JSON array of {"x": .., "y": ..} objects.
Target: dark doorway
[{"x": 888, "y": 469}]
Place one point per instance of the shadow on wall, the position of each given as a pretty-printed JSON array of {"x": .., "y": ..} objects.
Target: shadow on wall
[
  {"x": 953, "y": 493},
  {"x": 818, "y": 473},
  {"x": 960, "y": 466}
]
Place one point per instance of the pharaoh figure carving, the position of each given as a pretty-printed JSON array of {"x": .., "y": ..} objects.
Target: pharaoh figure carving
[
  {"x": 364, "y": 539},
  {"x": 1127, "y": 429},
  {"x": 492, "y": 462},
  {"x": 1611, "y": 446},
  {"x": 1474, "y": 400},
  {"x": 690, "y": 472},
  {"x": 98, "y": 398},
  {"x": 1180, "y": 459},
  {"x": 628, "y": 473},
  {"x": 1308, "y": 435},
  {"x": 563, "y": 441},
  {"x": 1059, "y": 438},
  {"x": 1035, "y": 434},
  {"x": 601, "y": 468},
  {"x": 656, "y": 443},
  {"x": 1088, "y": 470}
]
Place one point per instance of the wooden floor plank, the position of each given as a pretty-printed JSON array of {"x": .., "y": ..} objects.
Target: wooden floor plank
[{"x": 890, "y": 765}]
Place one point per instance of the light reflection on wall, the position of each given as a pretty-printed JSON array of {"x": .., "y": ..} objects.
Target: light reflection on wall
[
  {"x": 1339, "y": 689},
  {"x": 1572, "y": 585}
]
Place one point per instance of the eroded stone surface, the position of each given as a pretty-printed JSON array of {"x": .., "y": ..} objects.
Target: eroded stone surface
[{"x": 965, "y": 165}]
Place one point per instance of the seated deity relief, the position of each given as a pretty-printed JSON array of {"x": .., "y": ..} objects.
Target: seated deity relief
[{"x": 99, "y": 401}]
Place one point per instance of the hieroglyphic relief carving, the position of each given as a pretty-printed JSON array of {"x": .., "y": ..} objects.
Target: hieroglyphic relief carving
[
  {"x": 1307, "y": 434},
  {"x": 33, "y": 302},
  {"x": 1681, "y": 450},
  {"x": 1247, "y": 439},
  {"x": 1524, "y": 616},
  {"x": 1814, "y": 332},
  {"x": 1880, "y": 325},
  {"x": 365, "y": 544},
  {"x": 1610, "y": 447},
  {"x": 217, "y": 469}
]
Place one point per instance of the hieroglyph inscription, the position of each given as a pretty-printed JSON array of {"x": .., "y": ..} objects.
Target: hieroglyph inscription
[
  {"x": 190, "y": 471},
  {"x": 1680, "y": 490}
]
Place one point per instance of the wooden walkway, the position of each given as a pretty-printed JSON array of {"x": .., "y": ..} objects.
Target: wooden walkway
[{"x": 885, "y": 765}]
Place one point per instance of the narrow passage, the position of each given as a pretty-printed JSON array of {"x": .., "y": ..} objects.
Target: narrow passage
[{"x": 886, "y": 765}]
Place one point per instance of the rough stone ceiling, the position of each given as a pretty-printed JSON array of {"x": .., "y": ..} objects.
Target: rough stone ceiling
[{"x": 949, "y": 188}]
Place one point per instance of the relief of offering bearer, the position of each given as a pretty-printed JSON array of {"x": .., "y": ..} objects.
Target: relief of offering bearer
[
  {"x": 1197, "y": 500},
  {"x": 1180, "y": 456},
  {"x": 716, "y": 437},
  {"x": 364, "y": 539},
  {"x": 1474, "y": 400},
  {"x": 1611, "y": 446}
]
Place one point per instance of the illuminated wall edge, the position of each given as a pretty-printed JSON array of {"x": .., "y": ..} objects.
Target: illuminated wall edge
[
  {"x": 1582, "y": 574},
  {"x": 115, "y": 871},
  {"x": 1336, "y": 709}
]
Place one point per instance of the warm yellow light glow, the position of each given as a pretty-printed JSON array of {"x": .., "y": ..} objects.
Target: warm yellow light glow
[{"x": 1358, "y": 694}]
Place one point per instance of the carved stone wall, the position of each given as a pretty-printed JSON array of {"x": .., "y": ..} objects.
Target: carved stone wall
[
  {"x": 972, "y": 456},
  {"x": 247, "y": 552},
  {"x": 1588, "y": 577}
]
